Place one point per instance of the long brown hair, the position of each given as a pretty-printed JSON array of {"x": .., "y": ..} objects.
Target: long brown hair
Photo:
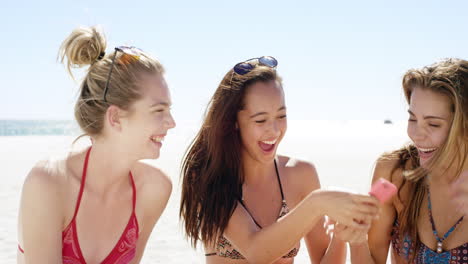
[
  {"x": 211, "y": 169},
  {"x": 450, "y": 78}
]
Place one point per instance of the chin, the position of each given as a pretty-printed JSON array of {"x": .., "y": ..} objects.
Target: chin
[
  {"x": 150, "y": 155},
  {"x": 154, "y": 155},
  {"x": 423, "y": 163},
  {"x": 266, "y": 158}
]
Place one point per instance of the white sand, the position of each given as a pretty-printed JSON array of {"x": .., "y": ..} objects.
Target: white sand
[{"x": 343, "y": 153}]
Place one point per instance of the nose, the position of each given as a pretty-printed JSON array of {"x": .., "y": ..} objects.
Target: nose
[
  {"x": 170, "y": 122},
  {"x": 416, "y": 132},
  {"x": 275, "y": 128}
]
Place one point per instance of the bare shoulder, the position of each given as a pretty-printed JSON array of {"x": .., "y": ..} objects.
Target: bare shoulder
[
  {"x": 42, "y": 194},
  {"x": 302, "y": 174},
  {"x": 151, "y": 182},
  {"x": 388, "y": 169},
  {"x": 56, "y": 173},
  {"x": 46, "y": 177}
]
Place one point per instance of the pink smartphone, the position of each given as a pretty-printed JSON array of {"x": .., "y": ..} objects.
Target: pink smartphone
[{"x": 383, "y": 190}]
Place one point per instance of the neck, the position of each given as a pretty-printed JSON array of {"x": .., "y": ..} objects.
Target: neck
[
  {"x": 446, "y": 176},
  {"x": 255, "y": 172},
  {"x": 108, "y": 167}
]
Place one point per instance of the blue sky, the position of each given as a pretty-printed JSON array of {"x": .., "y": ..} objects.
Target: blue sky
[{"x": 339, "y": 59}]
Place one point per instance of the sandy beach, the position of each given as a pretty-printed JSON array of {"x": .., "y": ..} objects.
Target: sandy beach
[{"x": 343, "y": 152}]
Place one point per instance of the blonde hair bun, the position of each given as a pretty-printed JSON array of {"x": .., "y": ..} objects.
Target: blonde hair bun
[{"x": 83, "y": 47}]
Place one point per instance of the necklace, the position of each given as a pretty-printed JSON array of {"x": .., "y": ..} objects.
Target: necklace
[{"x": 440, "y": 240}]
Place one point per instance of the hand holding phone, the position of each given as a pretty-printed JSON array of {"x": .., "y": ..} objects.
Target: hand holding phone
[{"x": 383, "y": 190}]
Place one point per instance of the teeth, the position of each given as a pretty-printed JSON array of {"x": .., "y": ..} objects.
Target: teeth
[
  {"x": 269, "y": 142},
  {"x": 427, "y": 149},
  {"x": 157, "y": 139}
]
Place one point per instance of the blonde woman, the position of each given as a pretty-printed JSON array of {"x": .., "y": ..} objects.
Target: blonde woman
[
  {"x": 100, "y": 204},
  {"x": 421, "y": 222}
]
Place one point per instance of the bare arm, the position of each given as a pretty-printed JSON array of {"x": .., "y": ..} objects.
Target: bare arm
[
  {"x": 324, "y": 248},
  {"x": 270, "y": 243},
  {"x": 154, "y": 195},
  {"x": 375, "y": 251},
  {"x": 40, "y": 218}
]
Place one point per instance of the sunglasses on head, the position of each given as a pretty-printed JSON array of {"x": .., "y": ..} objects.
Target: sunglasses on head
[
  {"x": 132, "y": 53},
  {"x": 247, "y": 66}
]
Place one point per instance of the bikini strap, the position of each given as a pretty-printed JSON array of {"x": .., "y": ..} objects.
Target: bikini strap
[
  {"x": 282, "y": 196},
  {"x": 434, "y": 231},
  {"x": 251, "y": 216},
  {"x": 134, "y": 191},
  {"x": 83, "y": 180},
  {"x": 279, "y": 181}
]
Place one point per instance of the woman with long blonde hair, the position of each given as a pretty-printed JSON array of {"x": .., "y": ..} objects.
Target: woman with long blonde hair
[{"x": 422, "y": 223}]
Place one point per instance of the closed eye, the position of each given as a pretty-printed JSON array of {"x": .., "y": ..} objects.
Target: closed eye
[
  {"x": 260, "y": 121},
  {"x": 282, "y": 116}
]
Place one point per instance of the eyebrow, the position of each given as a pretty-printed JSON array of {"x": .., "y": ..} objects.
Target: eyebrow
[
  {"x": 427, "y": 117},
  {"x": 161, "y": 103},
  {"x": 264, "y": 113}
]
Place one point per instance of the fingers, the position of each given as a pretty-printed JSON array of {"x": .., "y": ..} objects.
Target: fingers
[
  {"x": 366, "y": 199},
  {"x": 365, "y": 214},
  {"x": 365, "y": 219},
  {"x": 329, "y": 226},
  {"x": 354, "y": 210},
  {"x": 357, "y": 222},
  {"x": 366, "y": 204},
  {"x": 350, "y": 235},
  {"x": 354, "y": 218}
]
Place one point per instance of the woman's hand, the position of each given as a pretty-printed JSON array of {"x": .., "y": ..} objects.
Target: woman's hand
[
  {"x": 352, "y": 210},
  {"x": 351, "y": 235}
]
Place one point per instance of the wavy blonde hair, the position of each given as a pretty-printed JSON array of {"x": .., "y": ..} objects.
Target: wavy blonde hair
[{"x": 448, "y": 77}]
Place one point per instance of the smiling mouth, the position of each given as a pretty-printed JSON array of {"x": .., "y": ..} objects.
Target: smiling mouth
[
  {"x": 157, "y": 139},
  {"x": 267, "y": 145},
  {"x": 425, "y": 152}
]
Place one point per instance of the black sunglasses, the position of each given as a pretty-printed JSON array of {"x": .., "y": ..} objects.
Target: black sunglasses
[
  {"x": 134, "y": 54},
  {"x": 247, "y": 66}
]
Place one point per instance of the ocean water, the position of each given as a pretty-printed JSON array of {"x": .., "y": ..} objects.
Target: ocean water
[
  {"x": 38, "y": 127},
  {"x": 70, "y": 127}
]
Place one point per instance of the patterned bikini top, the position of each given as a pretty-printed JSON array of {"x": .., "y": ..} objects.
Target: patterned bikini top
[
  {"x": 225, "y": 249},
  {"x": 402, "y": 245}
]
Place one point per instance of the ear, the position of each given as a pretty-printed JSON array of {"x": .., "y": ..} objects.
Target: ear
[{"x": 114, "y": 118}]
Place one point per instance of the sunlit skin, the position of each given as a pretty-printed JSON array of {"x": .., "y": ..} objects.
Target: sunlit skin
[
  {"x": 460, "y": 192},
  {"x": 429, "y": 122},
  {"x": 149, "y": 119},
  {"x": 50, "y": 190},
  {"x": 262, "y": 124}
]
